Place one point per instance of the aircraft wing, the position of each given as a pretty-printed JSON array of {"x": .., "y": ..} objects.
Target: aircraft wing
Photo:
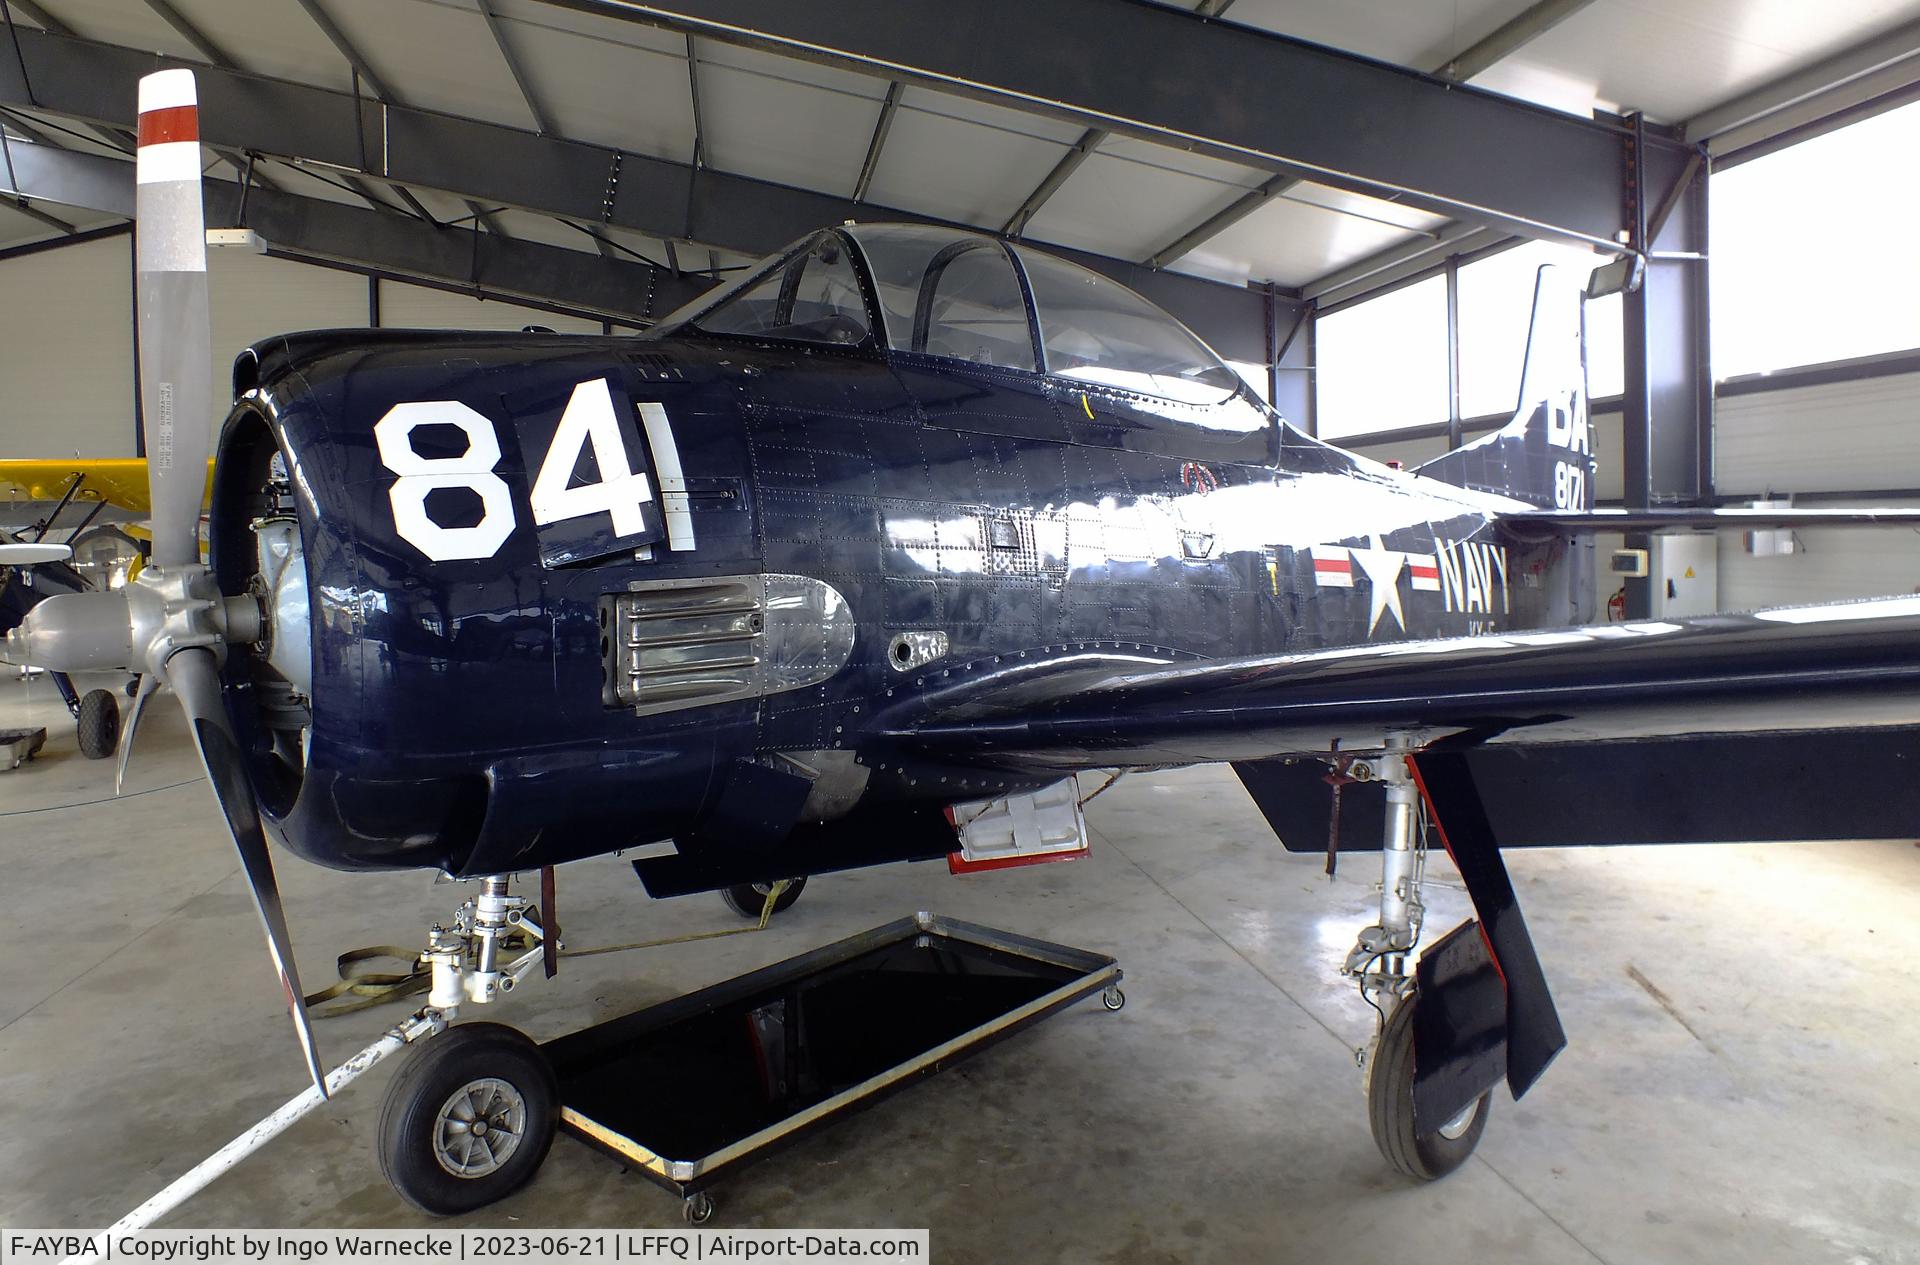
[
  {"x": 1850, "y": 667},
  {"x": 119, "y": 481},
  {"x": 1540, "y": 524}
]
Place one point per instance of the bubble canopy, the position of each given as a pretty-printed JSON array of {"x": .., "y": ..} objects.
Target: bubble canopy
[{"x": 930, "y": 291}]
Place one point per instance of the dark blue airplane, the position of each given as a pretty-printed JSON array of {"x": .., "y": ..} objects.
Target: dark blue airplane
[{"x": 860, "y": 557}]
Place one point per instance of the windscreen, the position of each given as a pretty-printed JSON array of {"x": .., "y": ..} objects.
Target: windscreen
[{"x": 814, "y": 296}]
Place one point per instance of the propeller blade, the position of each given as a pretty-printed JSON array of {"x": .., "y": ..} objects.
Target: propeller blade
[
  {"x": 148, "y": 684},
  {"x": 176, "y": 348},
  {"x": 25, "y": 555},
  {"x": 195, "y": 677}
]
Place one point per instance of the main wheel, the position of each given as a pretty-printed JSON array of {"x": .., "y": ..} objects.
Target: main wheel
[
  {"x": 468, "y": 1119},
  {"x": 99, "y": 724},
  {"x": 748, "y": 899},
  {"x": 1390, "y": 1108}
]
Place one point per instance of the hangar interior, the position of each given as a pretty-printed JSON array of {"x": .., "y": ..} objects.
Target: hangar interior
[{"x": 1348, "y": 201}]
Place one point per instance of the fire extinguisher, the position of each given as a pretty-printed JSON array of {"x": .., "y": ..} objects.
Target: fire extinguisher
[{"x": 1617, "y": 605}]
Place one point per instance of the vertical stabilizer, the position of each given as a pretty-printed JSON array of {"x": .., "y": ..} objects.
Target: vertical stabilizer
[{"x": 1544, "y": 456}]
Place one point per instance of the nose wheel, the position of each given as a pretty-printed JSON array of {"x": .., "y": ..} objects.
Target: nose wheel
[{"x": 468, "y": 1119}]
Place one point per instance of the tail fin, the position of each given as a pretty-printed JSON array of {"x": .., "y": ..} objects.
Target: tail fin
[{"x": 1544, "y": 456}]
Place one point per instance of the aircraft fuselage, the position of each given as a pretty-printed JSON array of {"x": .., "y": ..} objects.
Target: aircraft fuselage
[{"x": 493, "y": 692}]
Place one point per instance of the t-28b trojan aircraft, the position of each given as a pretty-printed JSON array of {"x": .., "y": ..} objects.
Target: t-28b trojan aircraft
[{"x": 896, "y": 533}]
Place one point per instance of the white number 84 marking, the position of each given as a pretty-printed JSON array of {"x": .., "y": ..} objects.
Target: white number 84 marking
[{"x": 588, "y": 419}]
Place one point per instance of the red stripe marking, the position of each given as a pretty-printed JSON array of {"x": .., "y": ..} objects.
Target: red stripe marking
[
  {"x": 957, "y": 862},
  {"x": 178, "y": 123},
  {"x": 1333, "y": 564},
  {"x": 1425, "y": 573}
]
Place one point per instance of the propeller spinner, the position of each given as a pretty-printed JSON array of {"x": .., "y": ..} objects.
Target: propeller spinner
[{"x": 172, "y": 623}]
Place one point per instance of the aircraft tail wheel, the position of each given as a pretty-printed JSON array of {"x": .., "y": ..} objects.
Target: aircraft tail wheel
[
  {"x": 698, "y": 1208},
  {"x": 99, "y": 724},
  {"x": 748, "y": 899},
  {"x": 1424, "y": 1156},
  {"x": 468, "y": 1119}
]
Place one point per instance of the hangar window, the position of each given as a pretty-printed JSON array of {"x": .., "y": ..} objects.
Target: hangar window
[
  {"x": 1382, "y": 364},
  {"x": 948, "y": 294},
  {"x": 813, "y": 296},
  {"x": 1814, "y": 253},
  {"x": 1095, "y": 330}
]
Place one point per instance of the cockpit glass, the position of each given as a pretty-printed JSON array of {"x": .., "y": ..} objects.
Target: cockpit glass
[
  {"x": 944, "y": 293},
  {"x": 813, "y": 297},
  {"x": 1098, "y": 331}
]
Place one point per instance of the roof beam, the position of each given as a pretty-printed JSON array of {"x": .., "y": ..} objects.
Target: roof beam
[
  {"x": 1525, "y": 27},
  {"x": 335, "y": 233},
  {"x": 190, "y": 33},
  {"x": 542, "y": 121},
  {"x": 510, "y": 167},
  {"x": 1233, "y": 92},
  {"x": 338, "y": 38},
  {"x": 40, "y": 15},
  {"x": 32, "y": 212},
  {"x": 486, "y": 219},
  {"x": 1220, "y": 221},
  {"x": 699, "y": 116},
  {"x": 1080, "y": 151},
  {"x": 1884, "y": 64},
  {"x": 1077, "y": 153},
  {"x": 889, "y": 106},
  {"x": 1397, "y": 262},
  {"x": 1509, "y": 38}
]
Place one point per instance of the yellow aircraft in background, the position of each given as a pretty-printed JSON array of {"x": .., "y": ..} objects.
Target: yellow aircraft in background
[
  {"x": 118, "y": 481},
  {"x": 78, "y": 488}
]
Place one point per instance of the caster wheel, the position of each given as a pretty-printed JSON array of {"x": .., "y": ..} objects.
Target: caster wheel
[
  {"x": 1424, "y": 1156},
  {"x": 1113, "y": 998},
  {"x": 99, "y": 724},
  {"x": 748, "y": 899},
  {"x": 468, "y": 1119},
  {"x": 698, "y": 1209}
]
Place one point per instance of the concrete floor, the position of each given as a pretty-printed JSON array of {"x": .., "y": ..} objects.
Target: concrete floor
[{"x": 1743, "y": 1081}]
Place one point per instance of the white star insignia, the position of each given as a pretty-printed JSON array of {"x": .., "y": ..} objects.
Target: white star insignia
[{"x": 1382, "y": 566}]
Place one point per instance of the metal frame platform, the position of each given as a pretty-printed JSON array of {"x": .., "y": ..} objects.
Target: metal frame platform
[{"x": 613, "y": 1096}]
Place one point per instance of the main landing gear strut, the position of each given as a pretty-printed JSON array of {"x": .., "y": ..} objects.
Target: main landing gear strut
[
  {"x": 1475, "y": 1007},
  {"x": 1378, "y": 963}
]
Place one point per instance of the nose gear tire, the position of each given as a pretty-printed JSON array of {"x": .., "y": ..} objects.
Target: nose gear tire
[{"x": 478, "y": 1100}]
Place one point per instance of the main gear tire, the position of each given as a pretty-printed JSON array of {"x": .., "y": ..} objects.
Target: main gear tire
[{"x": 1428, "y": 1155}]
